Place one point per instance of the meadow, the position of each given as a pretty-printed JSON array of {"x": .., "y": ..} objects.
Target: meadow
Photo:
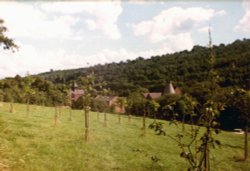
[{"x": 33, "y": 143}]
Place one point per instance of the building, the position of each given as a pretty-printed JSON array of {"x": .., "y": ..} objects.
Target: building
[
  {"x": 75, "y": 92},
  {"x": 111, "y": 102},
  {"x": 169, "y": 89},
  {"x": 152, "y": 96}
]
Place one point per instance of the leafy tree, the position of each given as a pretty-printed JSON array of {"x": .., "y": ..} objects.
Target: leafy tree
[
  {"x": 153, "y": 107},
  {"x": 6, "y": 42},
  {"x": 1, "y": 97},
  {"x": 8, "y": 97},
  {"x": 28, "y": 91},
  {"x": 137, "y": 105},
  {"x": 89, "y": 91},
  {"x": 197, "y": 153},
  {"x": 122, "y": 103},
  {"x": 99, "y": 106},
  {"x": 240, "y": 99},
  {"x": 167, "y": 104},
  {"x": 57, "y": 100}
]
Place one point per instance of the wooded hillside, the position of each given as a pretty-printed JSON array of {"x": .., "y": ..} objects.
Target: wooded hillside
[{"x": 185, "y": 69}]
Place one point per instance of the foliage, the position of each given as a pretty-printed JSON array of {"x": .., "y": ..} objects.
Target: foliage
[
  {"x": 194, "y": 149},
  {"x": 99, "y": 105},
  {"x": 37, "y": 89},
  {"x": 122, "y": 103},
  {"x": 187, "y": 69},
  {"x": 136, "y": 103},
  {"x": 6, "y": 42},
  {"x": 152, "y": 108},
  {"x": 240, "y": 100}
]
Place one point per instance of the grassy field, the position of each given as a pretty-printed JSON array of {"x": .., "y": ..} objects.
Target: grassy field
[{"x": 33, "y": 143}]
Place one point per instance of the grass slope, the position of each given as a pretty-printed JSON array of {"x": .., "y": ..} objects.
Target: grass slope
[{"x": 33, "y": 143}]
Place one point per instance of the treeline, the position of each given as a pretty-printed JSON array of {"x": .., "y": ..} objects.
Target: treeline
[
  {"x": 33, "y": 90},
  {"x": 187, "y": 69}
]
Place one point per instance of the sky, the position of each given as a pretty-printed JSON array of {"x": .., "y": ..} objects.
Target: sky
[{"x": 74, "y": 34}]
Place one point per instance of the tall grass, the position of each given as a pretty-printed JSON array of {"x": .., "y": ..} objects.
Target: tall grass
[{"x": 35, "y": 143}]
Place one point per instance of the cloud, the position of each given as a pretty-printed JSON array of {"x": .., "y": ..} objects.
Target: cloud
[
  {"x": 32, "y": 60},
  {"x": 58, "y": 19},
  {"x": 25, "y": 20},
  {"x": 175, "y": 26},
  {"x": 142, "y": 2},
  {"x": 244, "y": 23},
  {"x": 204, "y": 29},
  {"x": 221, "y": 13},
  {"x": 20, "y": 62},
  {"x": 104, "y": 14},
  {"x": 174, "y": 21}
]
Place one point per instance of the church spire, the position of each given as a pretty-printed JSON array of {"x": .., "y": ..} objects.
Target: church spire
[{"x": 74, "y": 86}]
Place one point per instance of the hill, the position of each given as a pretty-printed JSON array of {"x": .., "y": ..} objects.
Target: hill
[
  {"x": 34, "y": 143},
  {"x": 185, "y": 69}
]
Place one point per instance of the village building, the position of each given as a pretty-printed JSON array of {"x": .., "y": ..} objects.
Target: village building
[
  {"x": 169, "y": 89},
  {"x": 152, "y": 96},
  {"x": 75, "y": 92},
  {"x": 111, "y": 102}
]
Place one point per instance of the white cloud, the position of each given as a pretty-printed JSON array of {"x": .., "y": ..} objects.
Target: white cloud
[
  {"x": 173, "y": 22},
  {"x": 221, "y": 13},
  {"x": 105, "y": 14},
  {"x": 20, "y": 62},
  {"x": 64, "y": 7},
  {"x": 32, "y": 60},
  {"x": 175, "y": 25},
  {"x": 244, "y": 23},
  {"x": 142, "y": 2},
  {"x": 27, "y": 21},
  {"x": 204, "y": 29},
  {"x": 57, "y": 19}
]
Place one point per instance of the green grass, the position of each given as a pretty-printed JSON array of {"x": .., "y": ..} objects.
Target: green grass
[{"x": 33, "y": 143}]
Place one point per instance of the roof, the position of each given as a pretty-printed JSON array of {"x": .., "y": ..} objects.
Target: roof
[
  {"x": 169, "y": 89},
  {"x": 78, "y": 91},
  {"x": 105, "y": 98},
  {"x": 76, "y": 94},
  {"x": 178, "y": 91},
  {"x": 154, "y": 95}
]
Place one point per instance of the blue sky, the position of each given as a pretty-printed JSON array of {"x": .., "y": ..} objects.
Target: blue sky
[{"x": 64, "y": 35}]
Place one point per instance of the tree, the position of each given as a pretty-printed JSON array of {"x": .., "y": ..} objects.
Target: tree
[
  {"x": 153, "y": 107},
  {"x": 99, "y": 106},
  {"x": 122, "y": 103},
  {"x": 240, "y": 99},
  {"x": 167, "y": 102},
  {"x": 1, "y": 97},
  {"x": 137, "y": 105},
  {"x": 57, "y": 99},
  {"x": 28, "y": 91},
  {"x": 6, "y": 42},
  {"x": 197, "y": 153},
  {"x": 87, "y": 84}
]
